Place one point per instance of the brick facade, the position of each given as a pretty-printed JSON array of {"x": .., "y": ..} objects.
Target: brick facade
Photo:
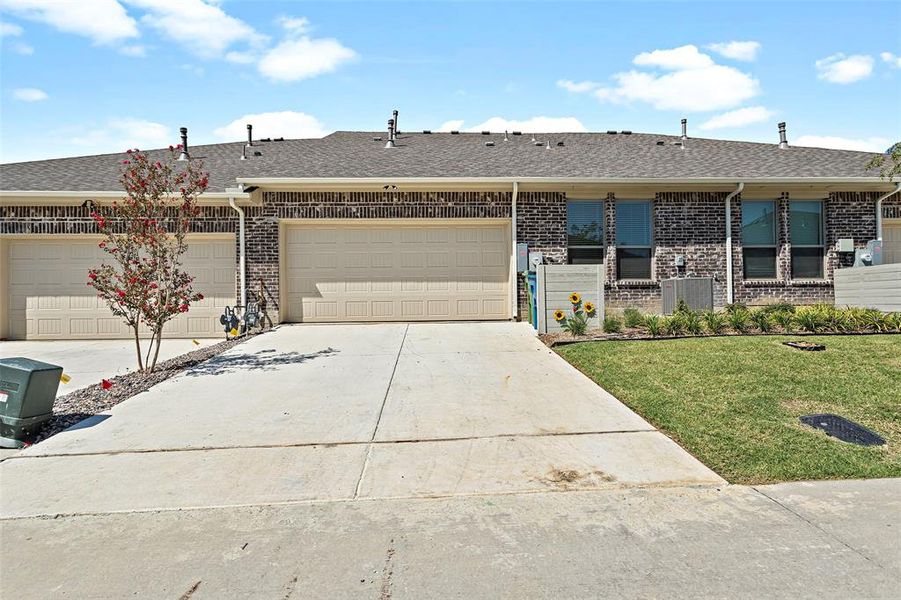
[{"x": 690, "y": 224}]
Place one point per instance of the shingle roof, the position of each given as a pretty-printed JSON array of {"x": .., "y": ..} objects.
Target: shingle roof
[{"x": 357, "y": 154}]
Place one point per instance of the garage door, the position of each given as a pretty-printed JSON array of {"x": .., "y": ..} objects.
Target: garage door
[
  {"x": 371, "y": 271},
  {"x": 49, "y": 298},
  {"x": 891, "y": 241}
]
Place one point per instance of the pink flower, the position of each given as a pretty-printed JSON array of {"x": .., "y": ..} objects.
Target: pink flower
[
  {"x": 121, "y": 293},
  {"x": 183, "y": 308},
  {"x": 92, "y": 275},
  {"x": 126, "y": 162},
  {"x": 102, "y": 244}
]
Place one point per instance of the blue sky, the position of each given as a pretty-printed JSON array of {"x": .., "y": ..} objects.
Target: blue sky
[{"x": 91, "y": 76}]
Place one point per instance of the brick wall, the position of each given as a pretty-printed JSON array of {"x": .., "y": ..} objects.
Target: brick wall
[
  {"x": 540, "y": 223},
  {"x": 66, "y": 220}
]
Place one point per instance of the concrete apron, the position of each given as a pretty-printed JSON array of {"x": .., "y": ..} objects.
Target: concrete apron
[{"x": 345, "y": 412}]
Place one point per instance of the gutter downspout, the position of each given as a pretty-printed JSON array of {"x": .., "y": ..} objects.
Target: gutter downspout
[
  {"x": 879, "y": 209},
  {"x": 515, "y": 300},
  {"x": 730, "y": 296},
  {"x": 241, "y": 251}
]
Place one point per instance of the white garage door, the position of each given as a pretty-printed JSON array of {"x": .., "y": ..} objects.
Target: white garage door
[
  {"x": 49, "y": 298},
  {"x": 891, "y": 241},
  {"x": 378, "y": 271}
]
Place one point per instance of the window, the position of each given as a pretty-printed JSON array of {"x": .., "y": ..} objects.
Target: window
[
  {"x": 633, "y": 240},
  {"x": 758, "y": 238},
  {"x": 585, "y": 232},
  {"x": 806, "y": 220}
]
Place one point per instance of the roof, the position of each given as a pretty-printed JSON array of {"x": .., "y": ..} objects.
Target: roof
[{"x": 346, "y": 154}]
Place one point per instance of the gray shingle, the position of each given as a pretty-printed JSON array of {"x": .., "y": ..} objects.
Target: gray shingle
[{"x": 356, "y": 154}]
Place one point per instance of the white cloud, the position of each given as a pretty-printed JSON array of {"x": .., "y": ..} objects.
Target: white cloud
[
  {"x": 9, "y": 29},
  {"x": 22, "y": 48},
  {"x": 103, "y": 21},
  {"x": 738, "y": 118},
  {"x": 694, "y": 83},
  {"x": 892, "y": 60},
  {"x": 736, "y": 50},
  {"x": 287, "y": 123},
  {"x": 535, "y": 124},
  {"x": 29, "y": 94},
  {"x": 302, "y": 58},
  {"x": 241, "y": 58},
  {"x": 870, "y": 144},
  {"x": 453, "y": 125},
  {"x": 577, "y": 87},
  {"x": 839, "y": 68},
  {"x": 674, "y": 59},
  {"x": 119, "y": 134},
  {"x": 204, "y": 28},
  {"x": 297, "y": 25},
  {"x": 134, "y": 50}
]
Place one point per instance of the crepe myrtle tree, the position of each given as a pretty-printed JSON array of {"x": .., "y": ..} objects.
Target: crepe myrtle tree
[
  {"x": 889, "y": 164},
  {"x": 143, "y": 282}
]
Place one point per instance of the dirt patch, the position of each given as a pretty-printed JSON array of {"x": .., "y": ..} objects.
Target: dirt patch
[
  {"x": 86, "y": 402},
  {"x": 572, "y": 478}
]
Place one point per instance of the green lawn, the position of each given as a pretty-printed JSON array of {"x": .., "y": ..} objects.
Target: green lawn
[{"x": 734, "y": 402}]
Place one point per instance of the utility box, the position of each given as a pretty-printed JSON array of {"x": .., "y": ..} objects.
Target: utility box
[
  {"x": 27, "y": 391},
  {"x": 697, "y": 292}
]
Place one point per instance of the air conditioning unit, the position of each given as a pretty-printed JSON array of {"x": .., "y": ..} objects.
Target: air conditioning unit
[{"x": 697, "y": 292}]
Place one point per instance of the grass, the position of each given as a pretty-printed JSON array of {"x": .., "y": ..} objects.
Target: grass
[{"x": 734, "y": 402}]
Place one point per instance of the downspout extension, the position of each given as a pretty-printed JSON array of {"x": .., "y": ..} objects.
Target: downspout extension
[
  {"x": 879, "y": 209},
  {"x": 515, "y": 300},
  {"x": 241, "y": 252},
  {"x": 730, "y": 295}
]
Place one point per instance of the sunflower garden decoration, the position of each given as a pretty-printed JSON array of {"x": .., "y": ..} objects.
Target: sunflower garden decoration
[{"x": 577, "y": 322}]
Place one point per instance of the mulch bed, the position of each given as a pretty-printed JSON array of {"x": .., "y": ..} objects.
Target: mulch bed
[
  {"x": 598, "y": 335},
  {"x": 86, "y": 402}
]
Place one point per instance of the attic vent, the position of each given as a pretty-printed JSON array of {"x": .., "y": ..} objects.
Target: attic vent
[
  {"x": 626, "y": 132},
  {"x": 661, "y": 143},
  {"x": 611, "y": 132},
  {"x": 281, "y": 139},
  {"x": 266, "y": 140},
  {"x": 517, "y": 133},
  {"x": 377, "y": 138},
  {"x": 486, "y": 133},
  {"x": 537, "y": 143},
  {"x": 559, "y": 143},
  {"x": 427, "y": 131},
  {"x": 455, "y": 132},
  {"x": 489, "y": 143},
  {"x": 257, "y": 153}
]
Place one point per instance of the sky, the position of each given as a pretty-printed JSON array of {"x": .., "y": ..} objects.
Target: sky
[{"x": 84, "y": 77}]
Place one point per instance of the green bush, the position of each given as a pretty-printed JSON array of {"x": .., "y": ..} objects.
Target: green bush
[
  {"x": 736, "y": 306},
  {"x": 632, "y": 317},
  {"x": 692, "y": 323},
  {"x": 682, "y": 308},
  {"x": 674, "y": 324},
  {"x": 612, "y": 325},
  {"x": 811, "y": 318},
  {"x": 738, "y": 320},
  {"x": 785, "y": 320},
  {"x": 653, "y": 324},
  {"x": 762, "y": 320},
  {"x": 715, "y": 322},
  {"x": 778, "y": 307}
]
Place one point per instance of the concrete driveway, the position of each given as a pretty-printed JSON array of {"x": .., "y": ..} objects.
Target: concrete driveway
[
  {"x": 87, "y": 362},
  {"x": 343, "y": 412}
]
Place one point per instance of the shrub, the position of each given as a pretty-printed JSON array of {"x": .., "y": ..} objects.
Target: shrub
[
  {"x": 736, "y": 306},
  {"x": 738, "y": 320},
  {"x": 893, "y": 322},
  {"x": 762, "y": 320},
  {"x": 653, "y": 324},
  {"x": 632, "y": 317},
  {"x": 692, "y": 323},
  {"x": 811, "y": 318},
  {"x": 778, "y": 307},
  {"x": 612, "y": 325},
  {"x": 785, "y": 320},
  {"x": 682, "y": 307},
  {"x": 715, "y": 322},
  {"x": 674, "y": 324}
]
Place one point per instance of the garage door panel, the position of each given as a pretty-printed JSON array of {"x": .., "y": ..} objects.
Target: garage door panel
[
  {"x": 49, "y": 297},
  {"x": 398, "y": 272}
]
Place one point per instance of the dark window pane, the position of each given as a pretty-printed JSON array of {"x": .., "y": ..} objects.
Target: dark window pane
[
  {"x": 633, "y": 223},
  {"x": 807, "y": 263},
  {"x": 806, "y": 223},
  {"x": 585, "y": 223},
  {"x": 586, "y": 256},
  {"x": 758, "y": 223},
  {"x": 633, "y": 263},
  {"x": 760, "y": 263}
]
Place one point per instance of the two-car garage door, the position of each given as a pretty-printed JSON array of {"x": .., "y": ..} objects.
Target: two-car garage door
[
  {"x": 396, "y": 271},
  {"x": 48, "y": 297}
]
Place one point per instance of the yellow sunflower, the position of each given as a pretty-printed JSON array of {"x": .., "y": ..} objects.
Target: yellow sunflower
[
  {"x": 575, "y": 298},
  {"x": 589, "y": 308},
  {"x": 558, "y": 315}
]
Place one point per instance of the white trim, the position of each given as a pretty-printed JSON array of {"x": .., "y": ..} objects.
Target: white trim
[
  {"x": 261, "y": 181},
  {"x": 730, "y": 283}
]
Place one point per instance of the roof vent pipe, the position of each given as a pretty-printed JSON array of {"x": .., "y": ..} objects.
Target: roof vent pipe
[
  {"x": 394, "y": 114},
  {"x": 390, "y": 143},
  {"x": 249, "y": 134},
  {"x": 184, "y": 144},
  {"x": 684, "y": 129},
  {"x": 548, "y": 145},
  {"x": 506, "y": 139},
  {"x": 783, "y": 142}
]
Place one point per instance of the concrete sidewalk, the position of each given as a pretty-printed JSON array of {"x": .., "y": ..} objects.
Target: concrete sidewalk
[{"x": 822, "y": 540}]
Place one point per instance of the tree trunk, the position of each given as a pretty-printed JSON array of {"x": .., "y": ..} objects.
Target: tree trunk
[
  {"x": 138, "y": 348},
  {"x": 156, "y": 354}
]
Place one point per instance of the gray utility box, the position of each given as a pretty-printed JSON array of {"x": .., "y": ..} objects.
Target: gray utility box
[
  {"x": 27, "y": 391},
  {"x": 696, "y": 291}
]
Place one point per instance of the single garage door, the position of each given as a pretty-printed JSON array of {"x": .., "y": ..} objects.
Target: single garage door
[
  {"x": 378, "y": 271},
  {"x": 49, "y": 298}
]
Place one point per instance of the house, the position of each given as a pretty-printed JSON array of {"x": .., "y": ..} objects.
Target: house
[{"x": 371, "y": 226}]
